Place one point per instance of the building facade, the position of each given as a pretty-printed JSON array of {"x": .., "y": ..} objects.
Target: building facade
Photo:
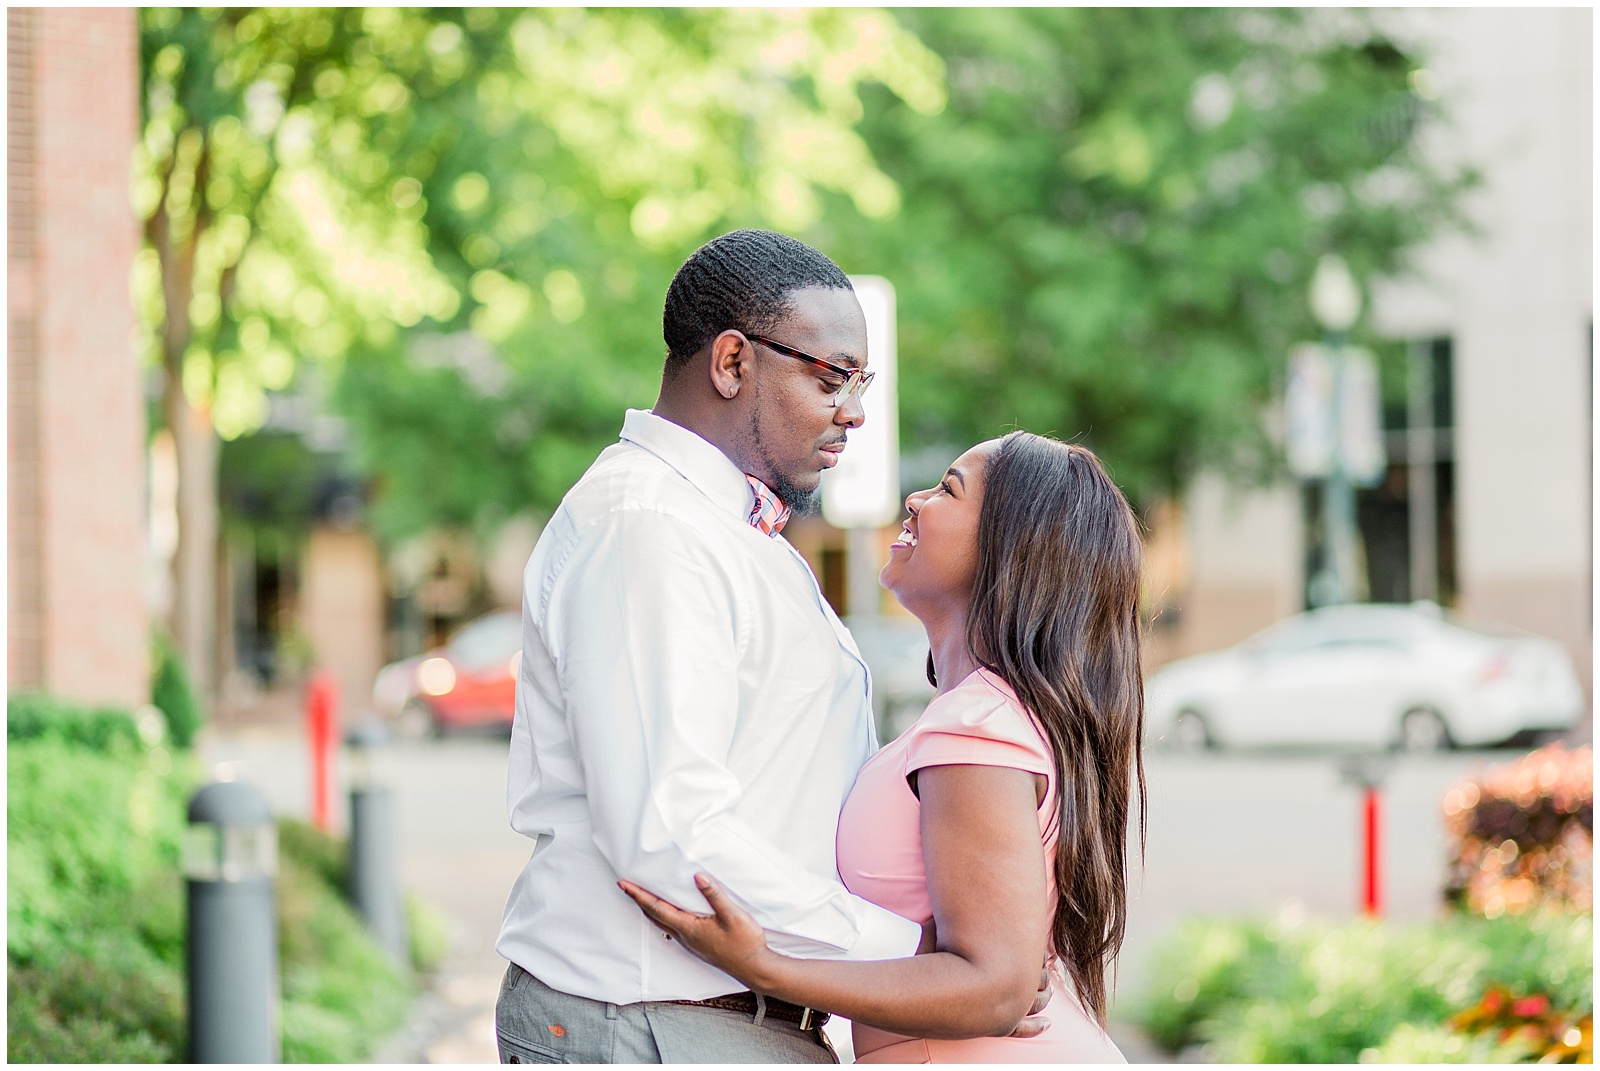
[
  {"x": 1501, "y": 322},
  {"x": 76, "y": 615}
]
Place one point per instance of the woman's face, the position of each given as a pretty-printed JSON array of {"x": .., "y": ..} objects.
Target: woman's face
[{"x": 934, "y": 561}]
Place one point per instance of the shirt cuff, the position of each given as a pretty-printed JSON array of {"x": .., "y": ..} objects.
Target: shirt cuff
[{"x": 886, "y": 936}]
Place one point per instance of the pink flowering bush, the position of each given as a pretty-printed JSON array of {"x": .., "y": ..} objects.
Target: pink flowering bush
[{"x": 1523, "y": 835}]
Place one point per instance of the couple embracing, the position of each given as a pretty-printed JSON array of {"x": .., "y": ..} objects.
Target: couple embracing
[{"x": 723, "y": 856}]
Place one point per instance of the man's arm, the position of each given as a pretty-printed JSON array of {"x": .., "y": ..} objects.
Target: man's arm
[{"x": 643, "y": 624}]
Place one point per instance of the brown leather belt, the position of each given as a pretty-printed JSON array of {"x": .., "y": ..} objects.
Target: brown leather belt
[{"x": 746, "y": 1004}]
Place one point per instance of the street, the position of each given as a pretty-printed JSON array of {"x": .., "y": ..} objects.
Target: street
[{"x": 1229, "y": 834}]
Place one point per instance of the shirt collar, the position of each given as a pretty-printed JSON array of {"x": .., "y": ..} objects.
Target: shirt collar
[{"x": 694, "y": 458}]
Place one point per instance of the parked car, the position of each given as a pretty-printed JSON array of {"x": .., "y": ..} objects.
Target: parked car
[
  {"x": 469, "y": 683},
  {"x": 1369, "y": 676}
]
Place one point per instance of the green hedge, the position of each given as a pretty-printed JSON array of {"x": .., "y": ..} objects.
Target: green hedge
[
  {"x": 172, "y": 694},
  {"x": 94, "y": 935},
  {"x": 1304, "y": 991}
]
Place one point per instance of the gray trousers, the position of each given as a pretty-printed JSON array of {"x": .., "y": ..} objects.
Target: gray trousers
[{"x": 538, "y": 1025}]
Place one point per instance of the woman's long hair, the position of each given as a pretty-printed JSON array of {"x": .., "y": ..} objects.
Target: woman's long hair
[{"x": 1055, "y": 613}]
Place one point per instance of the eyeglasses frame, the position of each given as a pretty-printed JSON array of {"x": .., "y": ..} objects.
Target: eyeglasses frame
[{"x": 861, "y": 380}]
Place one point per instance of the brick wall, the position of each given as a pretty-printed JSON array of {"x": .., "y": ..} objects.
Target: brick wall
[
  {"x": 76, "y": 613},
  {"x": 24, "y": 608}
]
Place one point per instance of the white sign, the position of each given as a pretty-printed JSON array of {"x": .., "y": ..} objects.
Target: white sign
[
  {"x": 1334, "y": 414},
  {"x": 863, "y": 490},
  {"x": 1308, "y": 411},
  {"x": 1361, "y": 420}
]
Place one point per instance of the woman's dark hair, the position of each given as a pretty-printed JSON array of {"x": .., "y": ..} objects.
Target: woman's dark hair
[
  {"x": 1055, "y": 613},
  {"x": 742, "y": 279}
]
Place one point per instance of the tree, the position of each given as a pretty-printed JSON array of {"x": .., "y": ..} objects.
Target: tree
[
  {"x": 317, "y": 183},
  {"x": 256, "y": 255},
  {"x": 1104, "y": 232},
  {"x": 599, "y": 149},
  {"x": 1109, "y": 231}
]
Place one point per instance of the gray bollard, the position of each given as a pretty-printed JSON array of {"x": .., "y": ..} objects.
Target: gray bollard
[
  {"x": 230, "y": 858},
  {"x": 374, "y": 874}
]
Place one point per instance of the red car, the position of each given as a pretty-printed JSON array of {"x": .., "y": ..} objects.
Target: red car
[{"x": 469, "y": 683}]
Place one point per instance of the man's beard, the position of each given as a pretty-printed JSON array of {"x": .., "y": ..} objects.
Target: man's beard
[{"x": 801, "y": 502}]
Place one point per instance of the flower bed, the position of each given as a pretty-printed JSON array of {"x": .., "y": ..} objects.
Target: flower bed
[{"x": 1294, "y": 990}]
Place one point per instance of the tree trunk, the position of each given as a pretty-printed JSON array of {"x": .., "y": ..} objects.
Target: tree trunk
[{"x": 194, "y": 566}]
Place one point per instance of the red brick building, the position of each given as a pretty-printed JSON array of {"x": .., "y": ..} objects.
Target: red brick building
[{"x": 76, "y": 615}]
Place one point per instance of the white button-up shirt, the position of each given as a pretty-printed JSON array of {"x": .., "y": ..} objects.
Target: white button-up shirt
[{"x": 687, "y": 701}]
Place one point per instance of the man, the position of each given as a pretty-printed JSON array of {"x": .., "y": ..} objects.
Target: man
[{"x": 687, "y": 701}]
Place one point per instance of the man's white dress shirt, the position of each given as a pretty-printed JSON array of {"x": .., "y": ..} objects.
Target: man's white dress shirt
[{"x": 687, "y": 701}]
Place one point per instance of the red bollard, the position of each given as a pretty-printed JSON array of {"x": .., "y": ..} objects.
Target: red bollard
[
  {"x": 1368, "y": 772},
  {"x": 1369, "y": 902},
  {"x": 322, "y": 731}
]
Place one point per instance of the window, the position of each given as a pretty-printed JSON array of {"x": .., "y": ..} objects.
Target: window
[{"x": 1407, "y": 522}]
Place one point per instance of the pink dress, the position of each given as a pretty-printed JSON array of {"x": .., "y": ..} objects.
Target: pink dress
[{"x": 979, "y": 722}]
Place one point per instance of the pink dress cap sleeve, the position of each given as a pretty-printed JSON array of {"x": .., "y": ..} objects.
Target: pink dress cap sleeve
[{"x": 980, "y": 722}]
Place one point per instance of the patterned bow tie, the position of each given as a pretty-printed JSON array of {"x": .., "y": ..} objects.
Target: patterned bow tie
[{"x": 768, "y": 515}]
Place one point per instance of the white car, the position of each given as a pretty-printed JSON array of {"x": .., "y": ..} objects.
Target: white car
[{"x": 1368, "y": 676}]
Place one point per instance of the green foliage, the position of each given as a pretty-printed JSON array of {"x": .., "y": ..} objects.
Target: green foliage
[
  {"x": 93, "y": 909},
  {"x": 1412, "y": 1044},
  {"x": 1294, "y": 991},
  {"x": 172, "y": 694},
  {"x": 1100, "y": 221},
  {"x": 324, "y": 856},
  {"x": 116, "y": 1004},
  {"x": 270, "y": 483},
  {"x": 341, "y": 992},
  {"x": 33, "y": 716},
  {"x": 94, "y": 906},
  {"x": 428, "y": 932},
  {"x": 559, "y": 197},
  {"x": 1110, "y": 231}
]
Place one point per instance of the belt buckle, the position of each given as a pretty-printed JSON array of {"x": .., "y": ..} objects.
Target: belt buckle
[{"x": 805, "y": 1018}]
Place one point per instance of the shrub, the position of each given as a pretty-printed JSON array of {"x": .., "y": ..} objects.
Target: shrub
[
  {"x": 341, "y": 992},
  {"x": 95, "y": 926},
  {"x": 1297, "y": 991},
  {"x": 1522, "y": 835},
  {"x": 1531, "y": 1022},
  {"x": 94, "y": 919},
  {"x": 428, "y": 933},
  {"x": 32, "y": 716},
  {"x": 172, "y": 694}
]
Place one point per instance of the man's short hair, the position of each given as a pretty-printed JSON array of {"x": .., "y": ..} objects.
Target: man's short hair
[{"x": 741, "y": 280}]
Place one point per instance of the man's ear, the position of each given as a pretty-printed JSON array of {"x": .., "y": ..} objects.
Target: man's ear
[{"x": 729, "y": 355}]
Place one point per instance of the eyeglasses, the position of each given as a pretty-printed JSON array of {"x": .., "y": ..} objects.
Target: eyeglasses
[{"x": 855, "y": 382}]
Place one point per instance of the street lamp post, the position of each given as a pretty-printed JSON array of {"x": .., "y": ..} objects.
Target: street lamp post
[{"x": 1336, "y": 303}]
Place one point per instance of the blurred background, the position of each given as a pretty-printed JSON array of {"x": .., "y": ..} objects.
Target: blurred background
[{"x": 314, "y": 315}]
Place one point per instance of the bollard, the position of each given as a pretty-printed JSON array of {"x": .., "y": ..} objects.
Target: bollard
[
  {"x": 374, "y": 875},
  {"x": 230, "y": 857},
  {"x": 1367, "y": 772},
  {"x": 322, "y": 730},
  {"x": 1369, "y": 888}
]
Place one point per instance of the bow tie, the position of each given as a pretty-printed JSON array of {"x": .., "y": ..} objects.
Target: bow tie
[{"x": 768, "y": 515}]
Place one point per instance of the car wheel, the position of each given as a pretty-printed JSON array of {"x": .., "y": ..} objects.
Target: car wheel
[
  {"x": 416, "y": 722},
  {"x": 1189, "y": 732},
  {"x": 1423, "y": 730}
]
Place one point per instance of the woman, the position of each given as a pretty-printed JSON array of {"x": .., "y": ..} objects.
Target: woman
[{"x": 1001, "y": 814}]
